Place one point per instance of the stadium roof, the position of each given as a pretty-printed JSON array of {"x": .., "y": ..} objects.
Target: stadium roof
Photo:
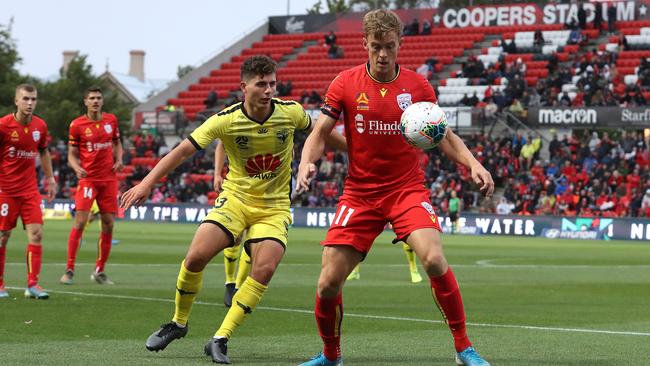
[{"x": 134, "y": 89}]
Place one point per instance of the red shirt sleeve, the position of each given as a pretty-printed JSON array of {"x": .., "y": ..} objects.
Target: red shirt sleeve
[
  {"x": 428, "y": 94},
  {"x": 334, "y": 98},
  {"x": 116, "y": 128},
  {"x": 73, "y": 136},
  {"x": 45, "y": 139}
]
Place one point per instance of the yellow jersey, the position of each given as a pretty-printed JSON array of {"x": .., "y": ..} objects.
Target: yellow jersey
[{"x": 259, "y": 152}]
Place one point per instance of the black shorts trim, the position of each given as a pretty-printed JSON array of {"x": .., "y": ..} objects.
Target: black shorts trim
[
  {"x": 230, "y": 235},
  {"x": 257, "y": 240}
]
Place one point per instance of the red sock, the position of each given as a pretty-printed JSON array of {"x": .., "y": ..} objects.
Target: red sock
[
  {"x": 329, "y": 315},
  {"x": 104, "y": 249},
  {"x": 34, "y": 254},
  {"x": 3, "y": 253},
  {"x": 447, "y": 296},
  {"x": 73, "y": 245}
]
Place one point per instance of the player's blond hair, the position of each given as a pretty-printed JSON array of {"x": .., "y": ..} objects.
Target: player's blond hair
[
  {"x": 26, "y": 87},
  {"x": 380, "y": 22}
]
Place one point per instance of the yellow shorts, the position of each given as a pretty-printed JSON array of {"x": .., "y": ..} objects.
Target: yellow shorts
[
  {"x": 95, "y": 208},
  {"x": 233, "y": 216}
]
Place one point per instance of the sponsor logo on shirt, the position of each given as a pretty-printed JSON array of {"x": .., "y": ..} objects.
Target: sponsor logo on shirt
[
  {"x": 359, "y": 123},
  {"x": 383, "y": 92},
  {"x": 263, "y": 166},
  {"x": 98, "y": 146},
  {"x": 383, "y": 128},
  {"x": 282, "y": 135},
  {"x": 427, "y": 206},
  {"x": 21, "y": 154},
  {"x": 242, "y": 142},
  {"x": 262, "y": 131},
  {"x": 362, "y": 102},
  {"x": 404, "y": 100}
]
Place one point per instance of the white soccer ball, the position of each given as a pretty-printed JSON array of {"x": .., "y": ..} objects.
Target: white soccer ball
[{"x": 423, "y": 125}]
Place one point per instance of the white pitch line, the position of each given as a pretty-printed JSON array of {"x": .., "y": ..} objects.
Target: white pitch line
[
  {"x": 362, "y": 316},
  {"x": 478, "y": 264}
]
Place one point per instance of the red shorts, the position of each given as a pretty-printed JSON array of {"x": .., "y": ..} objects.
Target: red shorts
[
  {"x": 105, "y": 192},
  {"x": 28, "y": 207},
  {"x": 358, "y": 221}
]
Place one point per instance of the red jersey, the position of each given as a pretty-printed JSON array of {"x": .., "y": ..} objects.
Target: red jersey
[
  {"x": 95, "y": 142},
  {"x": 380, "y": 158},
  {"x": 19, "y": 147}
]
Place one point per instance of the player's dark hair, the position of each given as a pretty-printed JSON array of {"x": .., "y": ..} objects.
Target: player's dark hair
[
  {"x": 92, "y": 89},
  {"x": 259, "y": 65},
  {"x": 26, "y": 87}
]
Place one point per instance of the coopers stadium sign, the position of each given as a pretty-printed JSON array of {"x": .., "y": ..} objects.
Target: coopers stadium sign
[{"x": 529, "y": 14}]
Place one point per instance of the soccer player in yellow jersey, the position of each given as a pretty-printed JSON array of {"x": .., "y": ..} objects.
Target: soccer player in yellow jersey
[
  {"x": 231, "y": 255},
  {"x": 258, "y": 137}
]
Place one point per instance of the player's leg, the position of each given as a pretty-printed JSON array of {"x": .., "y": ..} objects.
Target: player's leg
[
  {"x": 208, "y": 241},
  {"x": 416, "y": 223},
  {"x": 230, "y": 257},
  {"x": 34, "y": 255},
  {"x": 9, "y": 211},
  {"x": 4, "y": 239},
  {"x": 354, "y": 229},
  {"x": 107, "y": 202},
  {"x": 84, "y": 198},
  {"x": 355, "y": 274},
  {"x": 104, "y": 249},
  {"x": 244, "y": 268},
  {"x": 413, "y": 266},
  {"x": 266, "y": 243},
  {"x": 427, "y": 244}
]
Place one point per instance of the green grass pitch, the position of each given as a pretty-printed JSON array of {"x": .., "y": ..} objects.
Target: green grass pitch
[{"x": 528, "y": 302}]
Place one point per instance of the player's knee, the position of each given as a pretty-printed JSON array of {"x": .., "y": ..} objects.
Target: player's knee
[
  {"x": 107, "y": 225},
  {"x": 329, "y": 286},
  {"x": 434, "y": 262},
  {"x": 4, "y": 238},
  {"x": 194, "y": 263},
  {"x": 35, "y": 236}
]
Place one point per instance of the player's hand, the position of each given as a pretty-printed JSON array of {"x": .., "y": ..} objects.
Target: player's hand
[
  {"x": 484, "y": 179},
  {"x": 218, "y": 183},
  {"x": 135, "y": 196},
  {"x": 81, "y": 172},
  {"x": 118, "y": 166},
  {"x": 52, "y": 188},
  {"x": 306, "y": 172}
]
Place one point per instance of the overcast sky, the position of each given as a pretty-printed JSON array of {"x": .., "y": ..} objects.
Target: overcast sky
[{"x": 171, "y": 32}]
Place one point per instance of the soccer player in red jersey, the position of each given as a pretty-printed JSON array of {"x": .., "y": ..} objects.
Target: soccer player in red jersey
[
  {"x": 23, "y": 137},
  {"x": 384, "y": 184},
  {"x": 95, "y": 154}
]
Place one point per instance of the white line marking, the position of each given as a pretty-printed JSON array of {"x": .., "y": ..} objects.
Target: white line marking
[
  {"x": 478, "y": 264},
  {"x": 362, "y": 316}
]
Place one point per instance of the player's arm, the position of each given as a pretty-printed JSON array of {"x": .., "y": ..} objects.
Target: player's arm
[
  {"x": 334, "y": 140},
  {"x": 313, "y": 150},
  {"x": 219, "y": 161},
  {"x": 75, "y": 162},
  {"x": 139, "y": 193},
  {"x": 118, "y": 152},
  {"x": 46, "y": 163},
  {"x": 455, "y": 149}
]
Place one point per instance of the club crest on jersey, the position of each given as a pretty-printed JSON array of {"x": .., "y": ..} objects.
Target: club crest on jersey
[
  {"x": 404, "y": 100},
  {"x": 359, "y": 123},
  {"x": 362, "y": 102},
  {"x": 36, "y": 135},
  {"x": 282, "y": 135},
  {"x": 427, "y": 206},
  {"x": 108, "y": 128}
]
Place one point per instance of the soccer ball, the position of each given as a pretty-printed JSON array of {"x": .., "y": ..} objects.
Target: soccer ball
[{"x": 423, "y": 125}]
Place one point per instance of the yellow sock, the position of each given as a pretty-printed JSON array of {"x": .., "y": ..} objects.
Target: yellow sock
[
  {"x": 244, "y": 269},
  {"x": 410, "y": 257},
  {"x": 188, "y": 286},
  {"x": 243, "y": 303},
  {"x": 357, "y": 269},
  {"x": 230, "y": 256}
]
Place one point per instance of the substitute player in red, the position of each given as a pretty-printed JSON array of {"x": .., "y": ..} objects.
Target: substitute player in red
[
  {"x": 23, "y": 137},
  {"x": 384, "y": 184},
  {"x": 95, "y": 154}
]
